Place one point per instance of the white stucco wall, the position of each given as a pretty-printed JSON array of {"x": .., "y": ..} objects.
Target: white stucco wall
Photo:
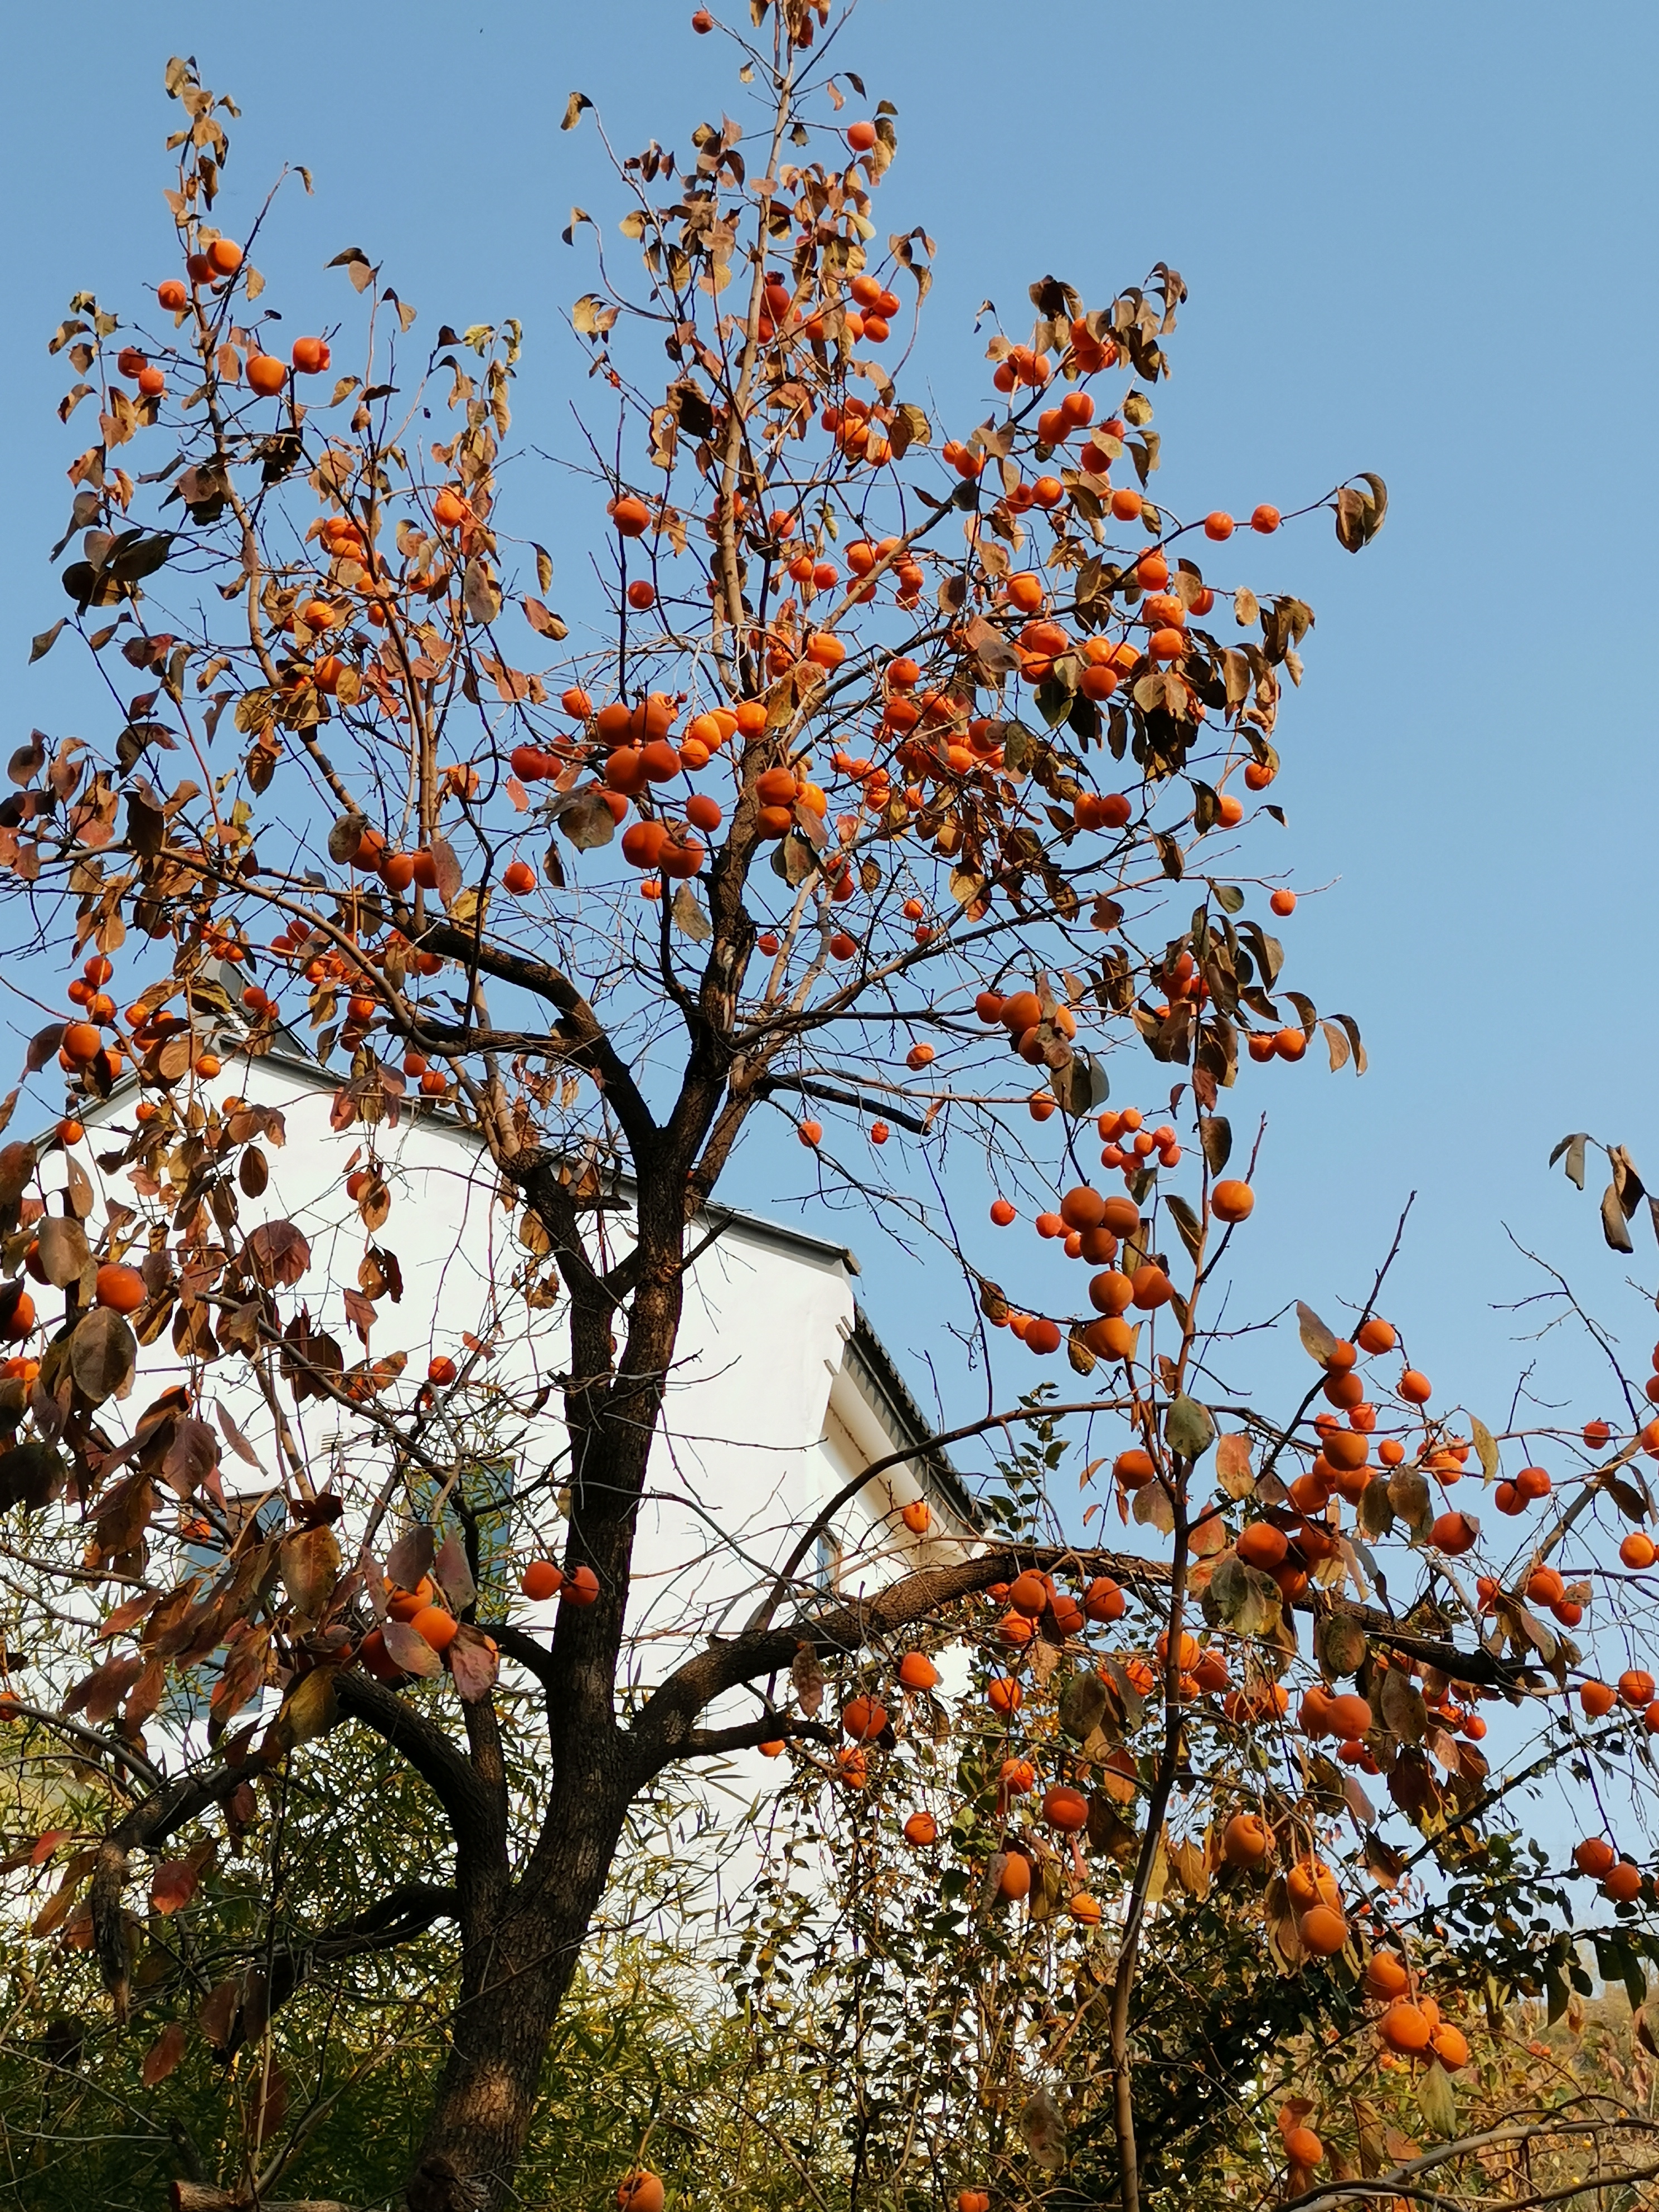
[{"x": 764, "y": 1417}]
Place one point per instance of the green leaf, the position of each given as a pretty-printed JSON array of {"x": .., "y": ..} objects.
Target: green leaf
[
  {"x": 1191, "y": 1228},
  {"x": 1053, "y": 701},
  {"x": 1339, "y": 1644},
  {"x": 1188, "y": 1428},
  {"x": 1244, "y": 1600},
  {"x": 1215, "y": 1133},
  {"x": 1435, "y": 2101}
]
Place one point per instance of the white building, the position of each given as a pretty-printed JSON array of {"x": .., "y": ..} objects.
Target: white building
[{"x": 780, "y": 1395}]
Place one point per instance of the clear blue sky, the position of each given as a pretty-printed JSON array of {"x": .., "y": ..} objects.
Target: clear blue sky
[{"x": 1418, "y": 240}]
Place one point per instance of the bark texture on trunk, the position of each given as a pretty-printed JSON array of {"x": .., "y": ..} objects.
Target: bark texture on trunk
[{"x": 520, "y": 1947}]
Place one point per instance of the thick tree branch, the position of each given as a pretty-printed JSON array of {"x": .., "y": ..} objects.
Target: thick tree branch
[
  {"x": 748, "y": 1735},
  {"x": 589, "y": 1042},
  {"x": 663, "y": 1726},
  {"x": 833, "y": 1094}
]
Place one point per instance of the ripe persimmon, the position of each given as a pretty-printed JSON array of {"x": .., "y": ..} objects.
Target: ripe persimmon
[
  {"x": 1066, "y": 1808},
  {"x": 1324, "y": 1930},
  {"x": 120, "y": 1288},
  {"x": 518, "y": 878},
  {"x": 1015, "y": 1879},
  {"x": 1405, "y": 2028},
  {"x": 1029, "y": 1594},
  {"x": 1231, "y": 1200},
  {"x": 1450, "y": 2045},
  {"x": 1303, "y": 2148},
  {"x": 581, "y": 1587},
  {"x": 1002, "y": 1213},
  {"x": 436, "y": 1626},
  {"x": 1245, "y": 1841},
  {"x": 861, "y": 136},
  {"x": 640, "y": 2191},
  {"x": 170, "y": 294},
  {"x": 1104, "y": 1600},
  {"x": 1265, "y": 519},
  {"x": 1083, "y": 1208},
  {"x": 863, "y": 1719},
  {"x": 1261, "y": 1545},
  {"x": 917, "y": 1672},
  {"x": 1283, "y": 901},
  {"x": 224, "y": 257},
  {"x": 266, "y": 375},
  {"x": 541, "y": 1580},
  {"x": 1385, "y": 1975},
  {"x": 920, "y": 1830}
]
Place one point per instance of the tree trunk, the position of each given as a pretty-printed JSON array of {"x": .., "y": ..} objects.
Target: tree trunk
[
  {"x": 521, "y": 1939},
  {"x": 520, "y": 1947}
]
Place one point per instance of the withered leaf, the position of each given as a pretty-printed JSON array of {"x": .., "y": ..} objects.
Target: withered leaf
[
  {"x": 63, "y": 1250},
  {"x": 1317, "y": 1341},
  {"x": 309, "y": 1564},
  {"x": 163, "y": 2055},
  {"x": 410, "y": 1557},
  {"x": 103, "y": 1354},
  {"x": 278, "y": 1253},
  {"x": 472, "y": 1663},
  {"x": 409, "y": 1651},
  {"x": 807, "y": 1676}
]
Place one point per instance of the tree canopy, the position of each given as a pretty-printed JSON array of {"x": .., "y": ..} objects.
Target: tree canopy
[{"x": 909, "y": 787}]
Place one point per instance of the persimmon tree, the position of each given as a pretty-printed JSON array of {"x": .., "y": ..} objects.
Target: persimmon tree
[{"x": 894, "y": 792}]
